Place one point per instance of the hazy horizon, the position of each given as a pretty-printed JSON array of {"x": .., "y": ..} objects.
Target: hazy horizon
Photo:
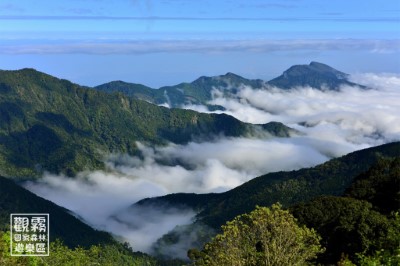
[{"x": 159, "y": 43}]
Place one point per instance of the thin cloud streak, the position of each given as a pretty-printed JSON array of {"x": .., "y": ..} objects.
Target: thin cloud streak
[
  {"x": 152, "y": 18},
  {"x": 206, "y": 46}
]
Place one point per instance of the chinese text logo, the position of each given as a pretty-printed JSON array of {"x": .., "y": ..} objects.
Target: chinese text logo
[{"x": 29, "y": 234}]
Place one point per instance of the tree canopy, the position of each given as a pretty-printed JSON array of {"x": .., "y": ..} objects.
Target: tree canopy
[{"x": 266, "y": 236}]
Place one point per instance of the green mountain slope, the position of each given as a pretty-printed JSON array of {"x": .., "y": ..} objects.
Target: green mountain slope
[
  {"x": 380, "y": 185},
  {"x": 330, "y": 178},
  {"x": 363, "y": 221},
  {"x": 358, "y": 224},
  {"x": 138, "y": 91},
  {"x": 55, "y": 125}
]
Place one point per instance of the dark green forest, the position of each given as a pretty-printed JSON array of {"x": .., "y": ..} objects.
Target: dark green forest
[
  {"x": 364, "y": 221},
  {"x": 361, "y": 227}
]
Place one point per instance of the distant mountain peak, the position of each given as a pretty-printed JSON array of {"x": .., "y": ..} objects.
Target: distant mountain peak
[
  {"x": 318, "y": 64},
  {"x": 231, "y": 75},
  {"x": 315, "y": 75},
  {"x": 29, "y": 69},
  {"x": 327, "y": 69},
  {"x": 119, "y": 81}
]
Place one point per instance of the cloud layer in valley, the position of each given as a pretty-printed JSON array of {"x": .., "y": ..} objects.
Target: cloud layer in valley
[
  {"x": 351, "y": 116},
  {"x": 104, "y": 198},
  {"x": 331, "y": 124}
]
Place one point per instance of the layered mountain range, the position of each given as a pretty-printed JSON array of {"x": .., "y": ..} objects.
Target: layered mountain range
[{"x": 200, "y": 91}]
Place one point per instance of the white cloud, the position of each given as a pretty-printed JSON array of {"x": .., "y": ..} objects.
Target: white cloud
[
  {"x": 215, "y": 166},
  {"x": 104, "y": 201},
  {"x": 351, "y": 116},
  {"x": 142, "y": 227}
]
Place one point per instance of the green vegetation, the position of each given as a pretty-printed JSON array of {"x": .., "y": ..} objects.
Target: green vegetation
[
  {"x": 379, "y": 185},
  {"x": 353, "y": 231},
  {"x": 348, "y": 227},
  {"x": 266, "y": 236},
  {"x": 359, "y": 227},
  {"x": 55, "y": 125},
  {"x": 108, "y": 255}
]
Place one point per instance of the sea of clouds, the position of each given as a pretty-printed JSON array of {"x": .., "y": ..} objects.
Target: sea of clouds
[{"x": 329, "y": 124}]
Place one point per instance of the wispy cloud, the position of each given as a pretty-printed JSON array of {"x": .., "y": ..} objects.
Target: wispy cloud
[
  {"x": 11, "y": 7},
  {"x": 182, "y": 18},
  {"x": 273, "y": 5},
  {"x": 199, "y": 46},
  {"x": 331, "y": 14},
  {"x": 79, "y": 11}
]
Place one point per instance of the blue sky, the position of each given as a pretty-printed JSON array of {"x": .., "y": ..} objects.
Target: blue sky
[{"x": 168, "y": 41}]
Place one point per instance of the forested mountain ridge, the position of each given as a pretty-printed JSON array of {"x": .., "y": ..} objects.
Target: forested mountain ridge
[
  {"x": 330, "y": 178},
  {"x": 51, "y": 124},
  {"x": 200, "y": 91},
  {"x": 359, "y": 228},
  {"x": 196, "y": 92},
  {"x": 363, "y": 224},
  {"x": 350, "y": 201}
]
